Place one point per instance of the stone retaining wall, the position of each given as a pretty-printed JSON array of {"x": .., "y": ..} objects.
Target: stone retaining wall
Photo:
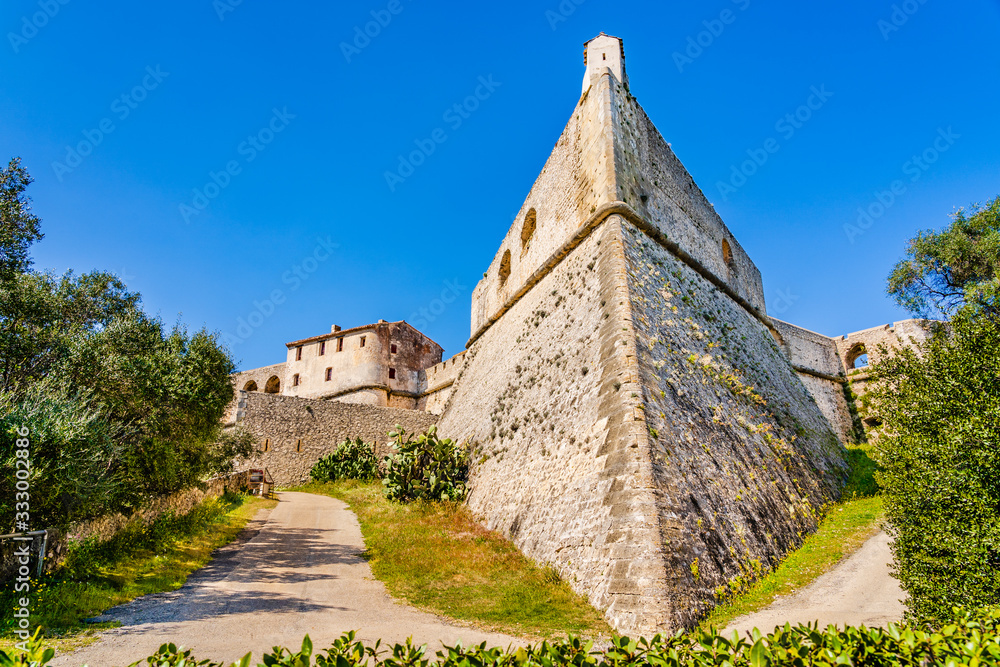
[{"x": 293, "y": 433}]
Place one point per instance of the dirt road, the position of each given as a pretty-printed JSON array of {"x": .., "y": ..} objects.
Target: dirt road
[
  {"x": 857, "y": 591},
  {"x": 300, "y": 573}
]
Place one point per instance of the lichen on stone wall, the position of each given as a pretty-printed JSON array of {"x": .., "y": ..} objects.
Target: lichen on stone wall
[{"x": 743, "y": 458}]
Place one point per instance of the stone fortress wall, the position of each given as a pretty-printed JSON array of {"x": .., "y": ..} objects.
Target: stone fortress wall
[
  {"x": 826, "y": 365},
  {"x": 439, "y": 381},
  {"x": 293, "y": 433},
  {"x": 618, "y": 444},
  {"x": 640, "y": 423}
]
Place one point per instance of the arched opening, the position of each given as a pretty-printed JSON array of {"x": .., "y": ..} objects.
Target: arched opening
[
  {"x": 727, "y": 253},
  {"x": 250, "y": 386},
  {"x": 504, "y": 267},
  {"x": 273, "y": 385},
  {"x": 528, "y": 229},
  {"x": 857, "y": 357}
]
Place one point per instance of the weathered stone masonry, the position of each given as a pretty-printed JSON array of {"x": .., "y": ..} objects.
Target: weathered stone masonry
[
  {"x": 293, "y": 433},
  {"x": 617, "y": 443}
]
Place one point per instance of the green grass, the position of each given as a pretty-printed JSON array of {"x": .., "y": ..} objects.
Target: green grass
[
  {"x": 846, "y": 526},
  {"x": 435, "y": 556},
  {"x": 138, "y": 562}
]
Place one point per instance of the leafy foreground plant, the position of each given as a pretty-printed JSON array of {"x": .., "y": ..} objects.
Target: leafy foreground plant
[
  {"x": 353, "y": 459},
  {"x": 972, "y": 639},
  {"x": 425, "y": 467}
]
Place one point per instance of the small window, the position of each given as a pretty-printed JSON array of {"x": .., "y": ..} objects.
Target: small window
[
  {"x": 857, "y": 357},
  {"x": 298, "y": 353},
  {"x": 727, "y": 253},
  {"x": 392, "y": 348},
  {"x": 329, "y": 374},
  {"x": 504, "y": 267},
  {"x": 267, "y": 444},
  {"x": 392, "y": 373},
  {"x": 298, "y": 445},
  {"x": 362, "y": 341},
  {"x": 528, "y": 229},
  {"x": 322, "y": 348},
  {"x": 340, "y": 345},
  {"x": 295, "y": 380},
  {"x": 604, "y": 56}
]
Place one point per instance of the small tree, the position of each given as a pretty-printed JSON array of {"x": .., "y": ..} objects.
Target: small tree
[
  {"x": 958, "y": 266},
  {"x": 939, "y": 457},
  {"x": 19, "y": 227},
  {"x": 938, "y": 445}
]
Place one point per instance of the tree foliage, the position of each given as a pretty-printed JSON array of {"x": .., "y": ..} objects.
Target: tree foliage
[
  {"x": 952, "y": 268},
  {"x": 939, "y": 455},
  {"x": 19, "y": 227},
  {"x": 119, "y": 407},
  {"x": 938, "y": 445}
]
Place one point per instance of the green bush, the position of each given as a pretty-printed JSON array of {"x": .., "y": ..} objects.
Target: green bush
[
  {"x": 425, "y": 467},
  {"x": 938, "y": 449},
  {"x": 970, "y": 639},
  {"x": 353, "y": 459}
]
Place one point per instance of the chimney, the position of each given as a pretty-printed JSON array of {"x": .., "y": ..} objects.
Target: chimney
[{"x": 335, "y": 328}]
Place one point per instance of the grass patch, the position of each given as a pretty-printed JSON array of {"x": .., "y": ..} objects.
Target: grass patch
[
  {"x": 138, "y": 561},
  {"x": 435, "y": 556},
  {"x": 847, "y": 525}
]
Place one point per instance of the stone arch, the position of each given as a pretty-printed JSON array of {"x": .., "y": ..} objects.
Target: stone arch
[
  {"x": 273, "y": 385},
  {"x": 528, "y": 229},
  {"x": 857, "y": 357},
  {"x": 727, "y": 253},
  {"x": 504, "y": 267},
  {"x": 251, "y": 386}
]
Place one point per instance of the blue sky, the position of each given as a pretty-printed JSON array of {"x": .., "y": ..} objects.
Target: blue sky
[{"x": 276, "y": 138}]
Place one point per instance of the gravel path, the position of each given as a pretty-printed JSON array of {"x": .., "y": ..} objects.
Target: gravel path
[
  {"x": 859, "y": 590},
  {"x": 295, "y": 571}
]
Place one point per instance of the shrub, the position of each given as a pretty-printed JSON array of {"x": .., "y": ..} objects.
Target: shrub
[
  {"x": 971, "y": 639},
  {"x": 425, "y": 467},
  {"x": 352, "y": 459},
  {"x": 938, "y": 449}
]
